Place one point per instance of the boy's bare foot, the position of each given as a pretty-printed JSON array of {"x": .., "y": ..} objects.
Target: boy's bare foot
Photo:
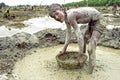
[{"x": 90, "y": 70}]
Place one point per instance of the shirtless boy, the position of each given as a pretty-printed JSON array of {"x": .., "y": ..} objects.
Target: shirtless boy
[{"x": 72, "y": 18}]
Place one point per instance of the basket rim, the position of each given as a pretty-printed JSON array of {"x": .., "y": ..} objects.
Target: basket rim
[{"x": 67, "y": 52}]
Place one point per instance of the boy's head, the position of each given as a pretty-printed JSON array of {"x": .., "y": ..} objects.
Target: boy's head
[{"x": 53, "y": 7}]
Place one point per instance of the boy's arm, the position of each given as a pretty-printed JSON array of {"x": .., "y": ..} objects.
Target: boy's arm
[
  {"x": 67, "y": 40},
  {"x": 78, "y": 34}
]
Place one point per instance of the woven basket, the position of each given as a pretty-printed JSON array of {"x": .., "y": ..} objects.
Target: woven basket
[{"x": 69, "y": 60}]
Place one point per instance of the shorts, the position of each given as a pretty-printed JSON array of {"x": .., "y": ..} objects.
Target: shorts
[{"x": 99, "y": 25}]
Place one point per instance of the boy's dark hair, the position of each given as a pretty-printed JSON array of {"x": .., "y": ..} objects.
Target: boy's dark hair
[{"x": 53, "y": 7}]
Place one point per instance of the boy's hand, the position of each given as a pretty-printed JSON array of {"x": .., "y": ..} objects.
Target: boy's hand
[{"x": 61, "y": 52}]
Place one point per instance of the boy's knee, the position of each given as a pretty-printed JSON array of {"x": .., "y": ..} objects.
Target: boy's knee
[{"x": 91, "y": 46}]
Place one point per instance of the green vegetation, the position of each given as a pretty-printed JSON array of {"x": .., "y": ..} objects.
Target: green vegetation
[
  {"x": 93, "y": 3},
  {"x": 2, "y": 5}
]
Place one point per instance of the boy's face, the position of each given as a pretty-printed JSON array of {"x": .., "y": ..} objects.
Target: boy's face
[{"x": 58, "y": 15}]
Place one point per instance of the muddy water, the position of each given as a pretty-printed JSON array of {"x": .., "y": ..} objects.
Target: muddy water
[
  {"x": 32, "y": 26},
  {"x": 36, "y": 24},
  {"x": 42, "y": 65}
]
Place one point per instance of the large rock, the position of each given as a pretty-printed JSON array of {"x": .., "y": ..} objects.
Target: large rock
[
  {"x": 50, "y": 37},
  {"x": 25, "y": 40},
  {"x": 111, "y": 38},
  {"x": 5, "y": 42}
]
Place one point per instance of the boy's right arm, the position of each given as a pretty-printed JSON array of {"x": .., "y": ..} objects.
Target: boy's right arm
[{"x": 68, "y": 37}]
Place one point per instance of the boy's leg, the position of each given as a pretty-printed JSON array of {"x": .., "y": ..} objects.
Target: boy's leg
[
  {"x": 87, "y": 36},
  {"x": 92, "y": 48}
]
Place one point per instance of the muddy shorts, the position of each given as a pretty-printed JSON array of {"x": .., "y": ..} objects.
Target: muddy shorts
[
  {"x": 98, "y": 23},
  {"x": 100, "y": 26}
]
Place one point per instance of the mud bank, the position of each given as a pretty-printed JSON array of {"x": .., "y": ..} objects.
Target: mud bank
[
  {"x": 21, "y": 15},
  {"x": 14, "y": 48},
  {"x": 42, "y": 65},
  {"x": 19, "y": 45}
]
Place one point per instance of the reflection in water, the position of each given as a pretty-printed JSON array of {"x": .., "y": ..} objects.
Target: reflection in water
[{"x": 34, "y": 25}]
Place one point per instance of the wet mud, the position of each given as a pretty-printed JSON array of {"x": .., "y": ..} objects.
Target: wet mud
[{"x": 42, "y": 65}]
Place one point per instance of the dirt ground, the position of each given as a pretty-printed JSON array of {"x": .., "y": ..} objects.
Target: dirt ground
[
  {"x": 21, "y": 15},
  {"x": 42, "y": 65}
]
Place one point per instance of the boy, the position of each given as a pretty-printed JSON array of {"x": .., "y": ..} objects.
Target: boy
[{"x": 72, "y": 18}]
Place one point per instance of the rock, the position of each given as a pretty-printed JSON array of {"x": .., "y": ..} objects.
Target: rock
[
  {"x": 25, "y": 40},
  {"x": 5, "y": 43},
  {"x": 111, "y": 38}
]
